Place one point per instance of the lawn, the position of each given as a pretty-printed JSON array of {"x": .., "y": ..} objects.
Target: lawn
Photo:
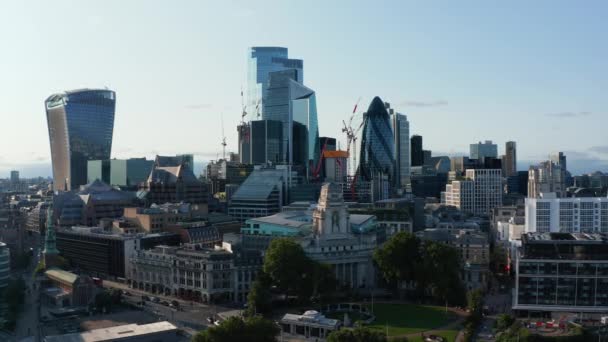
[
  {"x": 450, "y": 335},
  {"x": 403, "y": 319},
  {"x": 353, "y": 315}
]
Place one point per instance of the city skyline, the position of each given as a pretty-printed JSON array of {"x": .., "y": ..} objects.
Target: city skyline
[{"x": 486, "y": 90}]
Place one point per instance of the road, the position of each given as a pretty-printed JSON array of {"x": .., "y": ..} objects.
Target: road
[
  {"x": 497, "y": 304},
  {"x": 27, "y": 324},
  {"x": 189, "y": 313}
]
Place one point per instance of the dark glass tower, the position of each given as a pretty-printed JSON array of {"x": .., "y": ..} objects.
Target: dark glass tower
[
  {"x": 416, "y": 147},
  {"x": 266, "y": 141},
  {"x": 377, "y": 143},
  {"x": 81, "y": 124}
]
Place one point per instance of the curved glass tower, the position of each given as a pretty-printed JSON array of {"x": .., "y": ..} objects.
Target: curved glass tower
[
  {"x": 377, "y": 143},
  {"x": 81, "y": 124}
]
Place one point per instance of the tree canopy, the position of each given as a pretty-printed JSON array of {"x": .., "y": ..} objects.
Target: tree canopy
[
  {"x": 251, "y": 329},
  {"x": 358, "y": 334}
]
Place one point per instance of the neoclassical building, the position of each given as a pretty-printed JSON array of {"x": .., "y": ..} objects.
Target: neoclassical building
[{"x": 333, "y": 242}]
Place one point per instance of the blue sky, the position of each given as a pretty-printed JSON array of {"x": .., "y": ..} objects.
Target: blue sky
[{"x": 463, "y": 71}]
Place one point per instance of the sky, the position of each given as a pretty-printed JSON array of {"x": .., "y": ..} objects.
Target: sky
[{"x": 462, "y": 71}]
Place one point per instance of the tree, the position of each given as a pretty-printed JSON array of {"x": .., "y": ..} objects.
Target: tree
[
  {"x": 504, "y": 321},
  {"x": 440, "y": 270},
  {"x": 14, "y": 297},
  {"x": 358, "y": 334},
  {"x": 259, "y": 300},
  {"x": 398, "y": 258},
  {"x": 251, "y": 329},
  {"x": 323, "y": 279},
  {"x": 288, "y": 267}
]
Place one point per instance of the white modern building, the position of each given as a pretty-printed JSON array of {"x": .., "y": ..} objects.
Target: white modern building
[
  {"x": 478, "y": 193},
  {"x": 566, "y": 215}
]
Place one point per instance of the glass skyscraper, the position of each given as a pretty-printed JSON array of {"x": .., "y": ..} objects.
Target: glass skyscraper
[
  {"x": 377, "y": 143},
  {"x": 81, "y": 124},
  {"x": 262, "y": 60},
  {"x": 401, "y": 136},
  {"x": 291, "y": 102}
]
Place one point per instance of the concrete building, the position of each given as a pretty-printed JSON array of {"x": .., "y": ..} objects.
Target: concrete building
[
  {"x": 483, "y": 150},
  {"x": 478, "y": 193},
  {"x": 310, "y": 325},
  {"x": 68, "y": 289},
  {"x": 546, "y": 177},
  {"x": 102, "y": 253},
  {"x": 157, "y": 332},
  {"x": 172, "y": 180},
  {"x": 562, "y": 272},
  {"x": 509, "y": 162},
  {"x": 567, "y": 215},
  {"x": 90, "y": 204},
  {"x": 332, "y": 241}
]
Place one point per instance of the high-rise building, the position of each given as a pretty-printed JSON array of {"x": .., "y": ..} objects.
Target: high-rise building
[
  {"x": 509, "y": 162},
  {"x": 416, "y": 150},
  {"x": 328, "y": 144},
  {"x": 14, "y": 176},
  {"x": 546, "y": 177},
  {"x": 266, "y": 138},
  {"x": 121, "y": 172},
  {"x": 5, "y": 265},
  {"x": 567, "y": 215},
  {"x": 482, "y": 150},
  {"x": 478, "y": 193},
  {"x": 263, "y": 60},
  {"x": 81, "y": 124},
  {"x": 559, "y": 158},
  {"x": 377, "y": 143},
  {"x": 244, "y": 131},
  {"x": 401, "y": 136},
  {"x": 292, "y": 103}
]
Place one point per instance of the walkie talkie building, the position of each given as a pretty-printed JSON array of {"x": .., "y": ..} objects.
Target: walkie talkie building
[{"x": 81, "y": 124}]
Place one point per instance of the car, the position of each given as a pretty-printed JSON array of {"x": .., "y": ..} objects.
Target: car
[
  {"x": 155, "y": 299},
  {"x": 175, "y": 303},
  {"x": 210, "y": 320},
  {"x": 144, "y": 297},
  {"x": 165, "y": 303},
  {"x": 126, "y": 293}
]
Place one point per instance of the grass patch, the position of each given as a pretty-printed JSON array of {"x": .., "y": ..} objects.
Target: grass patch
[
  {"x": 403, "y": 319},
  {"x": 449, "y": 335},
  {"x": 353, "y": 315}
]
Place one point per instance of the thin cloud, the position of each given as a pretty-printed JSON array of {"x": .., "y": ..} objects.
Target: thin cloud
[
  {"x": 199, "y": 106},
  {"x": 437, "y": 103},
  {"x": 599, "y": 149},
  {"x": 568, "y": 114}
]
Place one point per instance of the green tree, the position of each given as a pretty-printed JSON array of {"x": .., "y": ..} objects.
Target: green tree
[
  {"x": 358, "y": 334},
  {"x": 323, "y": 279},
  {"x": 288, "y": 267},
  {"x": 504, "y": 321},
  {"x": 251, "y": 329},
  {"x": 259, "y": 300},
  {"x": 398, "y": 258},
  {"x": 14, "y": 297},
  {"x": 440, "y": 270}
]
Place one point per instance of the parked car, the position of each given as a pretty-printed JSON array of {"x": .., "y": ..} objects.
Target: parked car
[
  {"x": 155, "y": 299},
  {"x": 175, "y": 303},
  {"x": 165, "y": 303},
  {"x": 144, "y": 297},
  {"x": 126, "y": 293}
]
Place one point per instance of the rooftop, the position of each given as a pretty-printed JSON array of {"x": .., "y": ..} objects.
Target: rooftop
[{"x": 114, "y": 333}]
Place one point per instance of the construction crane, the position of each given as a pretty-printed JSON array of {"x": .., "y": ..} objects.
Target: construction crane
[
  {"x": 243, "y": 108},
  {"x": 223, "y": 138},
  {"x": 351, "y": 134}
]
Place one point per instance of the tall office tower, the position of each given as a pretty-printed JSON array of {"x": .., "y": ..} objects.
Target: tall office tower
[
  {"x": 479, "y": 193},
  {"x": 14, "y": 176},
  {"x": 262, "y": 60},
  {"x": 559, "y": 158},
  {"x": 327, "y": 143},
  {"x": 377, "y": 144},
  {"x": 81, "y": 124},
  {"x": 401, "y": 136},
  {"x": 292, "y": 103},
  {"x": 567, "y": 215},
  {"x": 546, "y": 177},
  {"x": 509, "y": 162},
  {"x": 416, "y": 150},
  {"x": 481, "y": 150},
  {"x": 266, "y": 141},
  {"x": 244, "y": 131}
]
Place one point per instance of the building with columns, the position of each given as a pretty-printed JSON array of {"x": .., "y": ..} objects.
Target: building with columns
[{"x": 333, "y": 242}]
